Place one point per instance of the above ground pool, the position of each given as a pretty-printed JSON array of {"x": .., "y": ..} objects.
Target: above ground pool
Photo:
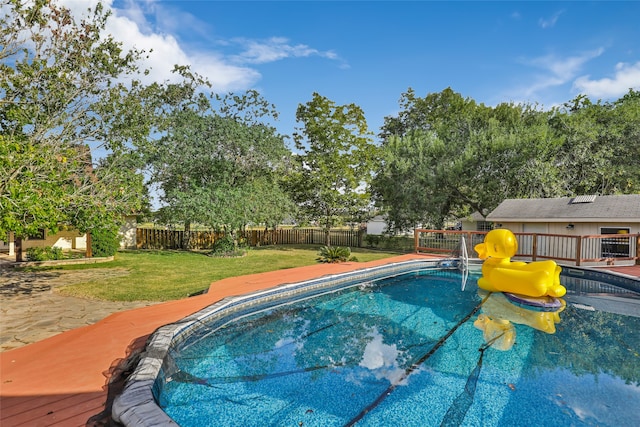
[{"x": 398, "y": 346}]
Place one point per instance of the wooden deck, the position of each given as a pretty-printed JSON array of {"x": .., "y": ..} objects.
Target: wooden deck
[
  {"x": 63, "y": 380},
  {"x": 630, "y": 270}
]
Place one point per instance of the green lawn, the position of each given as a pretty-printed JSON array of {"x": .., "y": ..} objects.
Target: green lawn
[{"x": 170, "y": 275}]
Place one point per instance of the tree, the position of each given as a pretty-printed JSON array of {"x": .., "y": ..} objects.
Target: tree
[
  {"x": 335, "y": 163},
  {"x": 221, "y": 169},
  {"x": 63, "y": 95},
  {"x": 407, "y": 184},
  {"x": 453, "y": 157},
  {"x": 601, "y": 145}
]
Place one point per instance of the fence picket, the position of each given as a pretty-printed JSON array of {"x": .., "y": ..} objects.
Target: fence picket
[{"x": 150, "y": 238}]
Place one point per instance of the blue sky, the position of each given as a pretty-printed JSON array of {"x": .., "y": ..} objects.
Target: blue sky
[{"x": 370, "y": 52}]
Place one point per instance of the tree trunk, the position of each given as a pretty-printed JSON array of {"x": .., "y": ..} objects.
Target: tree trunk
[
  {"x": 18, "y": 249},
  {"x": 186, "y": 237},
  {"x": 234, "y": 236},
  {"x": 327, "y": 237},
  {"x": 88, "y": 251}
]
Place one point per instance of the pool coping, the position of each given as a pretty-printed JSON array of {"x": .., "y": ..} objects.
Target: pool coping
[
  {"x": 136, "y": 405},
  {"x": 626, "y": 281}
]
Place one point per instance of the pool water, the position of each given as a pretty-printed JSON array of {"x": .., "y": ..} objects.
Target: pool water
[{"x": 410, "y": 351}]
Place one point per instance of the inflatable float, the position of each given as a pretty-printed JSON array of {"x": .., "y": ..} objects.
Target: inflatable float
[
  {"x": 545, "y": 303},
  {"x": 500, "y": 274}
]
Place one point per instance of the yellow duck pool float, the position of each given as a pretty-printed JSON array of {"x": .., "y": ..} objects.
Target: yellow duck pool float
[{"x": 500, "y": 274}]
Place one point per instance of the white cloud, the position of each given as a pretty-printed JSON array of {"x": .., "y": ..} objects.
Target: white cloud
[
  {"x": 565, "y": 68},
  {"x": 550, "y": 22},
  {"x": 135, "y": 11},
  {"x": 556, "y": 70},
  {"x": 626, "y": 76},
  {"x": 159, "y": 37},
  {"x": 274, "y": 49}
]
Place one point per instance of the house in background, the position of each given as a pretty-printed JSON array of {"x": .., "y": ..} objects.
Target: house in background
[
  {"x": 475, "y": 222},
  {"x": 127, "y": 232},
  {"x": 68, "y": 239},
  {"x": 581, "y": 215},
  {"x": 577, "y": 216},
  {"x": 377, "y": 225},
  {"x": 64, "y": 239}
]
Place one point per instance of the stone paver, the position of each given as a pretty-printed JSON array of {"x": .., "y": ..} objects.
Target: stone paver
[{"x": 31, "y": 309}]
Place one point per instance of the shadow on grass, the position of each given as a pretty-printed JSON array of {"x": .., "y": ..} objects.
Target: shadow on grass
[
  {"x": 286, "y": 248},
  {"x": 162, "y": 252}
]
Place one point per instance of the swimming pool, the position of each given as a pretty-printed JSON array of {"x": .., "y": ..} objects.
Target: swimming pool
[{"x": 402, "y": 346}]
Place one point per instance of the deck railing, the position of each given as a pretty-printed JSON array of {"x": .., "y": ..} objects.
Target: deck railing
[{"x": 597, "y": 249}]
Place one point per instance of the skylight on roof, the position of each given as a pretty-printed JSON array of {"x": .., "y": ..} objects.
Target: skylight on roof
[{"x": 584, "y": 199}]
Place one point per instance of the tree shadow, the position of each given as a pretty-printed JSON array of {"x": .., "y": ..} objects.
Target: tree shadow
[{"x": 16, "y": 283}]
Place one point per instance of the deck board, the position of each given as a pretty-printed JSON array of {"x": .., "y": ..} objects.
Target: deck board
[{"x": 63, "y": 410}]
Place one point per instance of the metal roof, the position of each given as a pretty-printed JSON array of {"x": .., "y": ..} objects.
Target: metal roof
[{"x": 578, "y": 209}]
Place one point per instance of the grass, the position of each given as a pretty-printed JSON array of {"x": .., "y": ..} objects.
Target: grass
[{"x": 170, "y": 275}]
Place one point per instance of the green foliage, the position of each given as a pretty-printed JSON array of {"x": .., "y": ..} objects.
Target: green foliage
[
  {"x": 228, "y": 246},
  {"x": 104, "y": 242},
  {"x": 445, "y": 156},
  {"x": 46, "y": 253},
  {"x": 224, "y": 245},
  {"x": 335, "y": 254},
  {"x": 336, "y": 162},
  {"x": 221, "y": 169},
  {"x": 51, "y": 117},
  {"x": 372, "y": 240},
  {"x": 600, "y": 145},
  {"x": 394, "y": 243}
]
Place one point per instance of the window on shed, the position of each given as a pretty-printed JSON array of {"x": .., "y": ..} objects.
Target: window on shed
[
  {"x": 615, "y": 247},
  {"x": 484, "y": 226}
]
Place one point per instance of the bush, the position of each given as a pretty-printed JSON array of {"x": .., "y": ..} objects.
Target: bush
[
  {"x": 46, "y": 253},
  {"x": 335, "y": 254},
  {"x": 372, "y": 240},
  {"x": 226, "y": 247},
  {"x": 104, "y": 242},
  {"x": 387, "y": 242}
]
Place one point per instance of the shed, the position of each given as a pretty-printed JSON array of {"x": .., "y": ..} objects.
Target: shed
[
  {"x": 377, "y": 225},
  {"x": 581, "y": 215},
  {"x": 475, "y": 222},
  {"x": 577, "y": 216}
]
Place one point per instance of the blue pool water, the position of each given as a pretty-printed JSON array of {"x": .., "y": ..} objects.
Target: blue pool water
[{"x": 410, "y": 351}]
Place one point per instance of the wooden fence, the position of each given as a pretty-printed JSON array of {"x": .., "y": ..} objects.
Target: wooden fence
[
  {"x": 150, "y": 238},
  {"x": 594, "y": 249}
]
